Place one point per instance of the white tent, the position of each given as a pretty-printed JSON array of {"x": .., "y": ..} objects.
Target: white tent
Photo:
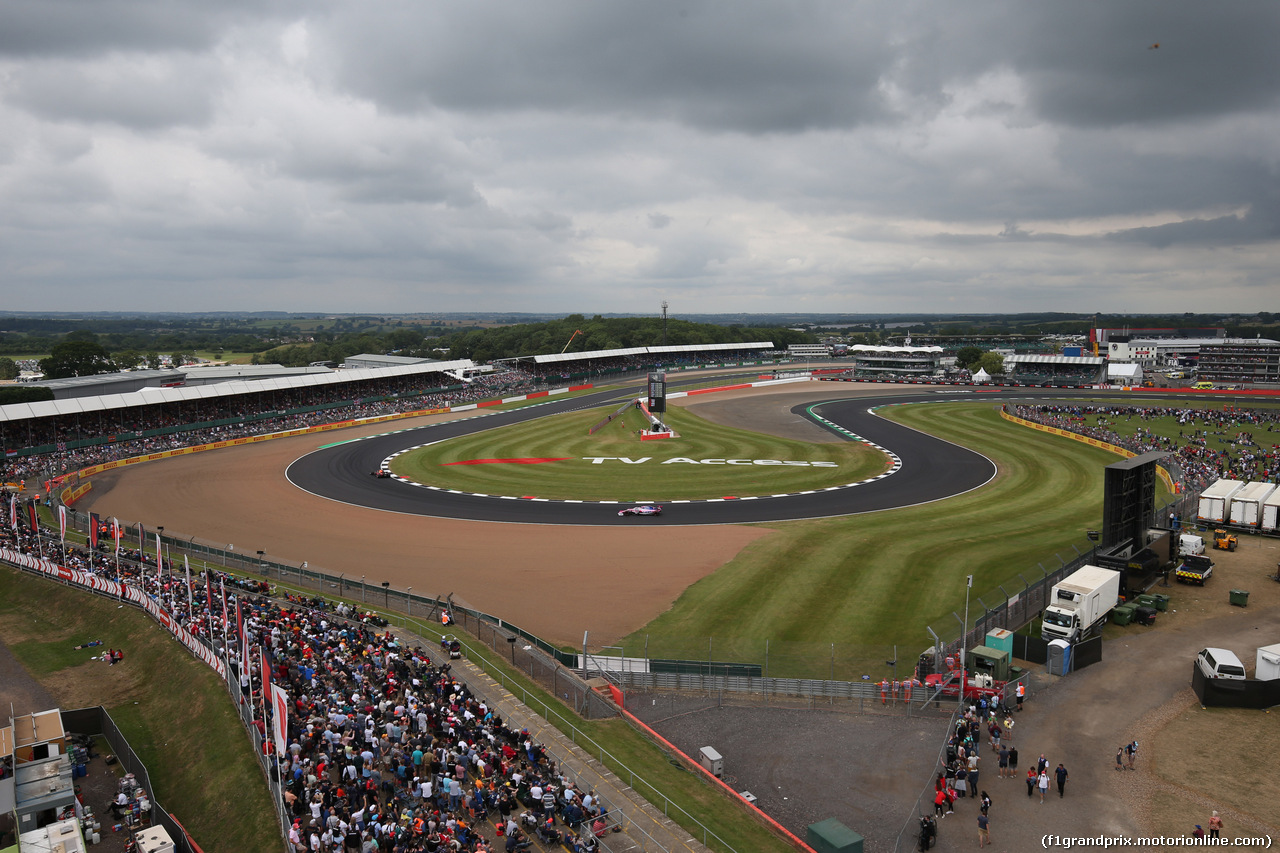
[
  {"x": 981, "y": 376},
  {"x": 1124, "y": 374}
]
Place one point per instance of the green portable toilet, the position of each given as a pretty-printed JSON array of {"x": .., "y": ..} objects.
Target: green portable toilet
[{"x": 832, "y": 836}]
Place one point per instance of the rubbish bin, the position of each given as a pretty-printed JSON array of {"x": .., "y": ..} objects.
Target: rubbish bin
[
  {"x": 1145, "y": 600},
  {"x": 1122, "y": 614},
  {"x": 1240, "y": 597},
  {"x": 1160, "y": 601}
]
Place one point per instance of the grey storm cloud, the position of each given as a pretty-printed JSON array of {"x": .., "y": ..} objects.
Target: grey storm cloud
[{"x": 991, "y": 155}]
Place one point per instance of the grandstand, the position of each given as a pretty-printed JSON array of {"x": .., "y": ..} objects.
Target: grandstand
[
  {"x": 573, "y": 365},
  {"x": 881, "y": 362},
  {"x": 1055, "y": 370}
]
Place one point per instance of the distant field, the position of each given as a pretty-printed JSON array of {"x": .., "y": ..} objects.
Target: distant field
[{"x": 654, "y": 471}]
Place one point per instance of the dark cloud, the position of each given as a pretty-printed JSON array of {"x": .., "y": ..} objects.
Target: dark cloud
[
  {"x": 97, "y": 27},
  {"x": 142, "y": 96},
  {"x": 720, "y": 66}
]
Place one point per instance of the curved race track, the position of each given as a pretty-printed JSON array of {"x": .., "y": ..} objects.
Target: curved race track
[{"x": 930, "y": 469}]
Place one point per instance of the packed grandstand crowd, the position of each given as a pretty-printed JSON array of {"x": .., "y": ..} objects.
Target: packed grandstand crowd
[
  {"x": 1192, "y": 462},
  {"x": 388, "y": 751},
  {"x": 256, "y": 414}
]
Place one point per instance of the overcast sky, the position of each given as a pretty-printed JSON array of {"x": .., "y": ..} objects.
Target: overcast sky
[{"x": 603, "y": 157}]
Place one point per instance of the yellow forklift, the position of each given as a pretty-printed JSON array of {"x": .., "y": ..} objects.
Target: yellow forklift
[{"x": 1224, "y": 541}]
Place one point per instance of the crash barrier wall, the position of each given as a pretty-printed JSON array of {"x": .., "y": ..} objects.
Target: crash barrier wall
[
  {"x": 1234, "y": 693},
  {"x": 98, "y": 723}
]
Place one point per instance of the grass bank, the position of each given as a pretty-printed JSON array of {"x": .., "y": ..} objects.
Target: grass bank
[
  {"x": 173, "y": 709},
  {"x": 884, "y": 577}
]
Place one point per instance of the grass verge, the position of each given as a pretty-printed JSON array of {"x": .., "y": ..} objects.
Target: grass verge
[
  {"x": 173, "y": 709},
  {"x": 630, "y": 469},
  {"x": 885, "y": 577}
]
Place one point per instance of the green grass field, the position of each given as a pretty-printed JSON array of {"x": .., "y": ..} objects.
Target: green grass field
[
  {"x": 660, "y": 476},
  {"x": 172, "y": 708},
  {"x": 865, "y": 582}
]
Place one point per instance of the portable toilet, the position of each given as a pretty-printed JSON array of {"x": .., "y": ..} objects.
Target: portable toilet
[
  {"x": 1059, "y": 657},
  {"x": 1268, "y": 664}
]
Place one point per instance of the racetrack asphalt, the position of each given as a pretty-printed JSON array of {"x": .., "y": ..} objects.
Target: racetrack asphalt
[
  {"x": 930, "y": 469},
  {"x": 925, "y": 469}
]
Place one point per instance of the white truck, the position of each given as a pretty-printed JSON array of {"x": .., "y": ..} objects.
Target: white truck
[
  {"x": 1215, "y": 501},
  {"x": 1246, "y": 506},
  {"x": 1079, "y": 603},
  {"x": 1271, "y": 513}
]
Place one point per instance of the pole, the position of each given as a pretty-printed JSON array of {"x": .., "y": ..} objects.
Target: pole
[{"x": 964, "y": 636}]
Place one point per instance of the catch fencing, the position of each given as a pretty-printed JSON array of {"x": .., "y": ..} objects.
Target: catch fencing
[{"x": 96, "y": 722}]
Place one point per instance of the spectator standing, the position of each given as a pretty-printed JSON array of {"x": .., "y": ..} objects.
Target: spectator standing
[{"x": 1061, "y": 774}]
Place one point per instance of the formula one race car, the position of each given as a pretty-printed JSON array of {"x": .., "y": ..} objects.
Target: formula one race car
[
  {"x": 382, "y": 474},
  {"x": 643, "y": 509}
]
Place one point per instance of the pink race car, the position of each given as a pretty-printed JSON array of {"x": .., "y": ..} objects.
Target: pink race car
[{"x": 643, "y": 509}]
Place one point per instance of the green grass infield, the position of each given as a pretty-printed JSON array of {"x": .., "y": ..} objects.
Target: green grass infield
[{"x": 706, "y": 460}]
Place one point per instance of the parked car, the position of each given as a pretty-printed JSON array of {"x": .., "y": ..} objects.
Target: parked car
[{"x": 1220, "y": 663}]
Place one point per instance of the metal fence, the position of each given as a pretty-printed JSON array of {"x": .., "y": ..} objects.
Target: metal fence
[
  {"x": 1010, "y": 607},
  {"x": 97, "y": 722}
]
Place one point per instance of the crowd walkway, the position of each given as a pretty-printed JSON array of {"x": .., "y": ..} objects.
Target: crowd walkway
[{"x": 642, "y": 826}]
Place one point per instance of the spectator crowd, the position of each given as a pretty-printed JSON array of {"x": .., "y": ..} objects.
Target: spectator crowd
[
  {"x": 1211, "y": 443},
  {"x": 387, "y": 750}
]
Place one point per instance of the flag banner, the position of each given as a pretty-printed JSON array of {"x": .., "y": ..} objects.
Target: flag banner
[
  {"x": 208, "y": 601},
  {"x": 242, "y": 640},
  {"x": 62, "y": 523},
  {"x": 117, "y": 533},
  {"x": 88, "y": 580},
  {"x": 222, "y": 588},
  {"x": 13, "y": 512},
  {"x": 31, "y": 516},
  {"x": 186, "y": 564},
  {"x": 93, "y": 531},
  {"x": 142, "y": 541},
  {"x": 279, "y": 716},
  {"x": 159, "y": 562}
]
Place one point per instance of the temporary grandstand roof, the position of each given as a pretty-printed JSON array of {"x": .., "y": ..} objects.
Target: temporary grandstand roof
[
  {"x": 871, "y": 348},
  {"x": 375, "y": 360},
  {"x": 152, "y": 396},
  {"x": 665, "y": 350},
  {"x": 1082, "y": 361}
]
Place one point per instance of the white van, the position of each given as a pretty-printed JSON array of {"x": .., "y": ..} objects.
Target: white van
[{"x": 1220, "y": 663}]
